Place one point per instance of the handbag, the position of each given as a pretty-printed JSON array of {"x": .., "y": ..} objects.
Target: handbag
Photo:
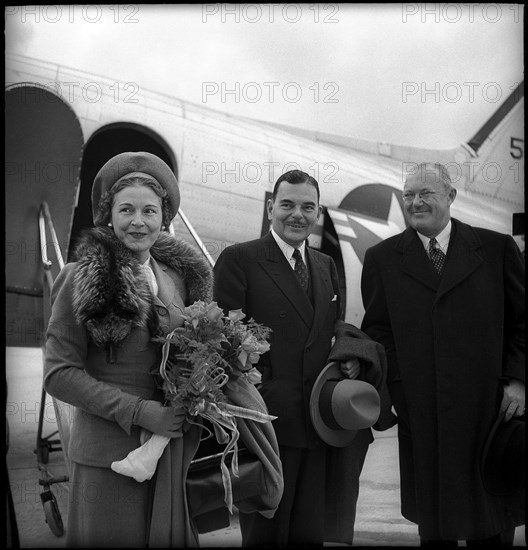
[{"x": 205, "y": 489}]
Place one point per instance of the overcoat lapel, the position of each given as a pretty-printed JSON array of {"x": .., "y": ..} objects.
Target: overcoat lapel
[
  {"x": 463, "y": 256},
  {"x": 166, "y": 289},
  {"x": 414, "y": 260},
  {"x": 276, "y": 266}
]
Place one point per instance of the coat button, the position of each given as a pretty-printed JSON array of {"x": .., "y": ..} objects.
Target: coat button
[
  {"x": 162, "y": 311},
  {"x": 282, "y": 314}
]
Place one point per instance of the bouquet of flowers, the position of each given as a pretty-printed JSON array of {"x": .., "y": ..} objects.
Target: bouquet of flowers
[{"x": 209, "y": 353}]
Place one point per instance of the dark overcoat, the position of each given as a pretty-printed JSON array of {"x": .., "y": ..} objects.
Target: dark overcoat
[{"x": 450, "y": 342}]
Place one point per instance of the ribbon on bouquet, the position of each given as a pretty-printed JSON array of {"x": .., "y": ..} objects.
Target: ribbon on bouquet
[
  {"x": 226, "y": 431},
  {"x": 164, "y": 357},
  {"x": 222, "y": 416}
]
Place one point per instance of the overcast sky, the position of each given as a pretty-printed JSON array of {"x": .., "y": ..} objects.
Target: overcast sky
[{"x": 427, "y": 75}]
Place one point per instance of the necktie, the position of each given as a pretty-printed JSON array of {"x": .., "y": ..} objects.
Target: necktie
[
  {"x": 436, "y": 255},
  {"x": 300, "y": 269}
]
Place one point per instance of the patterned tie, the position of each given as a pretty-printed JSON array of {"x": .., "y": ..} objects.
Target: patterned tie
[
  {"x": 436, "y": 255},
  {"x": 300, "y": 269}
]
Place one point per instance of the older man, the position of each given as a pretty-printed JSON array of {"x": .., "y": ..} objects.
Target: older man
[{"x": 447, "y": 302}]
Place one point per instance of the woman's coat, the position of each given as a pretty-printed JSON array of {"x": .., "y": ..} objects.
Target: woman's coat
[
  {"x": 100, "y": 358},
  {"x": 99, "y": 355}
]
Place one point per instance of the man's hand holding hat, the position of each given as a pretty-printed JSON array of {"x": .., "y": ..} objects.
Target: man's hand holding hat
[
  {"x": 513, "y": 400},
  {"x": 350, "y": 368}
]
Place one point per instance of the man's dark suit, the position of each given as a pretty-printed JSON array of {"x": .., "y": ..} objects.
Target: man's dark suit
[{"x": 256, "y": 277}]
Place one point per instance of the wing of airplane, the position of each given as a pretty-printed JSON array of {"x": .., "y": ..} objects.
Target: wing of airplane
[{"x": 63, "y": 124}]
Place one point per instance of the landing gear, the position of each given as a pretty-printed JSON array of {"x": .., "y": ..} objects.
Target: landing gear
[
  {"x": 52, "y": 513},
  {"x": 45, "y": 446}
]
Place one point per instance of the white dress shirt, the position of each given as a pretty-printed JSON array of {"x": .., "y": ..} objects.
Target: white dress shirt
[
  {"x": 288, "y": 249},
  {"x": 442, "y": 239}
]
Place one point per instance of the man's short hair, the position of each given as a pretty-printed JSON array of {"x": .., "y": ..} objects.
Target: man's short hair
[{"x": 295, "y": 176}]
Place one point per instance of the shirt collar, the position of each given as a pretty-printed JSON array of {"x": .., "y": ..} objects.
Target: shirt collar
[
  {"x": 442, "y": 238},
  {"x": 288, "y": 249}
]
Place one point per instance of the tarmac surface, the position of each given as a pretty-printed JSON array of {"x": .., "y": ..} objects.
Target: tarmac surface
[{"x": 378, "y": 519}]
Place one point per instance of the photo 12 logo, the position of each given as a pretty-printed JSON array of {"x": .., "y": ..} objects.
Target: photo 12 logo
[
  {"x": 270, "y": 13},
  {"x": 268, "y": 172},
  {"x": 451, "y": 92},
  {"x": 91, "y": 92},
  {"x": 454, "y": 13},
  {"x": 467, "y": 173},
  {"x": 31, "y": 253},
  {"x": 90, "y": 13},
  {"x": 37, "y": 173},
  {"x": 270, "y": 92}
]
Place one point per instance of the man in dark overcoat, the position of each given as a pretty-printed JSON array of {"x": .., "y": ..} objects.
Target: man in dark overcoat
[
  {"x": 450, "y": 314},
  {"x": 299, "y": 300}
]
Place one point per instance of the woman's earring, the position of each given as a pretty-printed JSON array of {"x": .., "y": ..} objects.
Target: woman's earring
[{"x": 109, "y": 224}]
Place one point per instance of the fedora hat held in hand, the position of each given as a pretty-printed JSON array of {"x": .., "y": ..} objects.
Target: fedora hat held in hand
[
  {"x": 503, "y": 463},
  {"x": 339, "y": 406}
]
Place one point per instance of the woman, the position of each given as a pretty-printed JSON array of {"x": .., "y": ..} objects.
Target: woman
[{"x": 129, "y": 283}]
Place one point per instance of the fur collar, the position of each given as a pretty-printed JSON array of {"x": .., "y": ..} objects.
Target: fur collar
[{"x": 111, "y": 294}]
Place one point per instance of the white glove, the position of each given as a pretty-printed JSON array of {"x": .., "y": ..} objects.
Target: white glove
[{"x": 141, "y": 462}]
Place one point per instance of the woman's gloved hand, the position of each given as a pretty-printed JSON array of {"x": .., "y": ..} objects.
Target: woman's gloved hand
[{"x": 156, "y": 418}]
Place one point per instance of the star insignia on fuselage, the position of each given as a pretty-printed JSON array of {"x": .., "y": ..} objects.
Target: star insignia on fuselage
[{"x": 363, "y": 230}]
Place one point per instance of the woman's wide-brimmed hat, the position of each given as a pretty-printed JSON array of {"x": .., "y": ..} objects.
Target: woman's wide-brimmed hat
[
  {"x": 339, "y": 406},
  {"x": 503, "y": 463},
  {"x": 135, "y": 163}
]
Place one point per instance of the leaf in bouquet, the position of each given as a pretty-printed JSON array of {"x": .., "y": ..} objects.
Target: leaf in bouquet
[
  {"x": 219, "y": 344},
  {"x": 196, "y": 349},
  {"x": 235, "y": 341},
  {"x": 262, "y": 332}
]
